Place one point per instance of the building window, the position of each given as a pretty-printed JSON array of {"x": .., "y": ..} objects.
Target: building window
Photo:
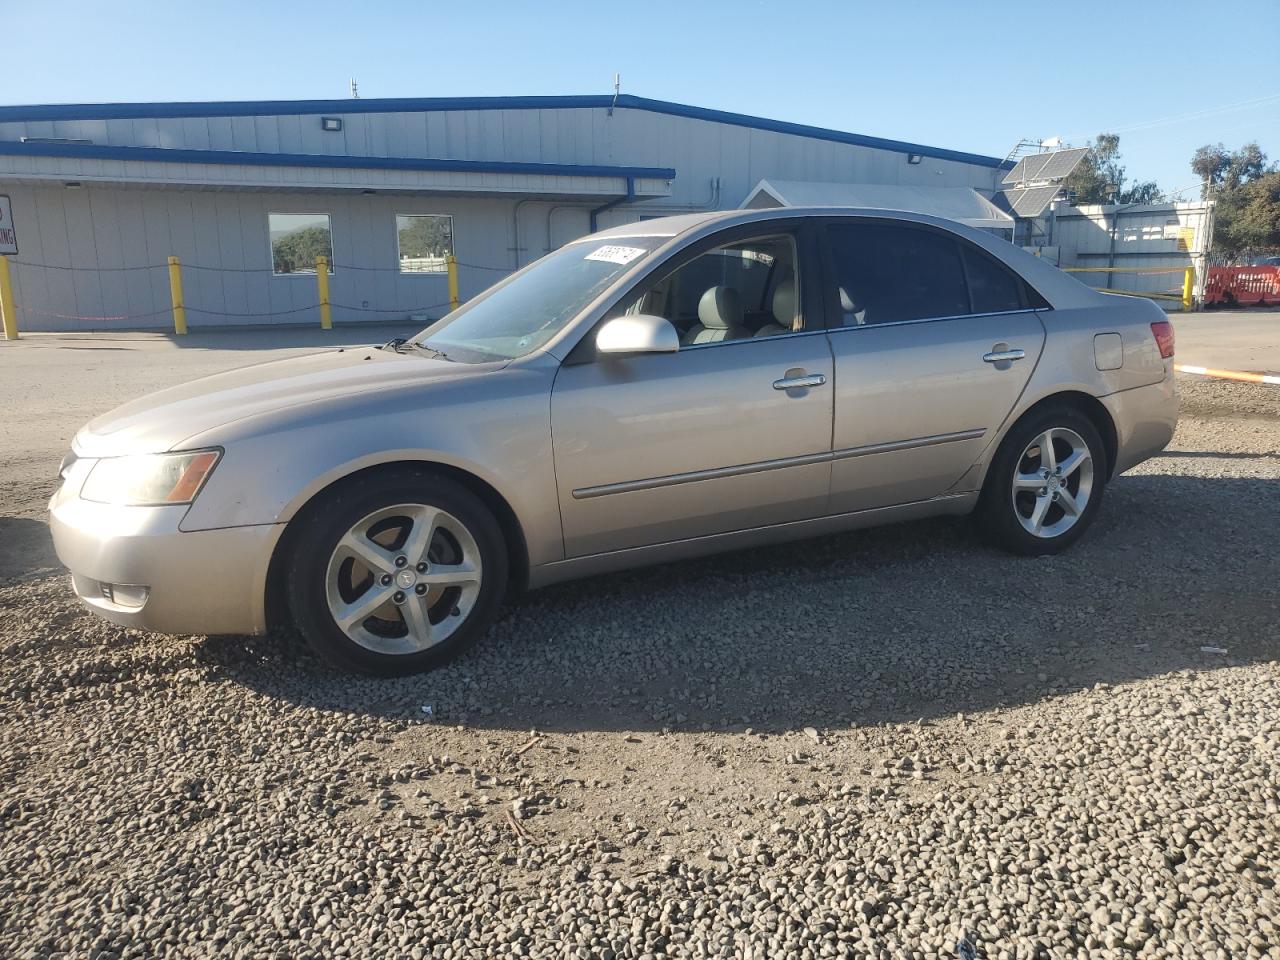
[
  {"x": 296, "y": 240},
  {"x": 425, "y": 241}
]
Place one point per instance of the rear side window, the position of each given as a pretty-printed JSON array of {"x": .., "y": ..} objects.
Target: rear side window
[
  {"x": 888, "y": 273},
  {"x": 993, "y": 287}
]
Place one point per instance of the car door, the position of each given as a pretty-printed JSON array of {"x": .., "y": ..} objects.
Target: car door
[
  {"x": 731, "y": 432},
  {"x": 934, "y": 341}
]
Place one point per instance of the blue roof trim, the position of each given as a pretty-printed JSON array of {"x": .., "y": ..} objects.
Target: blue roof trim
[
  {"x": 93, "y": 151},
  {"x": 249, "y": 108},
  {"x": 814, "y": 133}
]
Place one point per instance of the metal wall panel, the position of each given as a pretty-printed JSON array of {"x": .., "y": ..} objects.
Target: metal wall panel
[
  {"x": 221, "y": 238},
  {"x": 1170, "y": 236},
  {"x": 742, "y": 155},
  {"x": 135, "y": 212}
]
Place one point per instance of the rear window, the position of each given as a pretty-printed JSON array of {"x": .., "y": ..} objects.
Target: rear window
[
  {"x": 888, "y": 273},
  {"x": 993, "y": 287}
]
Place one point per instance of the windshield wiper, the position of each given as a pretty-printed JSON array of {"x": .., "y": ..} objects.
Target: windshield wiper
[
  {"x": 394, "y": 344},
  {"x": 439, "y": 354}
]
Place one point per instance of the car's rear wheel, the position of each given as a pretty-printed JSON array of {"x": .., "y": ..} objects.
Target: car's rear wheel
[
  {"x": 1045, "y": 485},
  {"x": 397, "y": 573}
]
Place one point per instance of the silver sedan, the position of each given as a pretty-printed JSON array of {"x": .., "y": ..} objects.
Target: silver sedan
[{"x": 657, "y": 391}]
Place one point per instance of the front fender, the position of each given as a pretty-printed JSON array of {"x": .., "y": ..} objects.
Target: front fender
[{"x": 497, "y": 428}]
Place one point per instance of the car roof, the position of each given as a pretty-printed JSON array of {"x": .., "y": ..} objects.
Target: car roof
[{"x": 678, "y": 224}]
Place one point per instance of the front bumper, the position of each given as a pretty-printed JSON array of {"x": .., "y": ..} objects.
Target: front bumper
[{"x": 197, "y": 582}]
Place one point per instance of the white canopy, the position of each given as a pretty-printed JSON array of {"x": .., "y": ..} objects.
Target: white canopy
[{"x": 962, "y": 204}]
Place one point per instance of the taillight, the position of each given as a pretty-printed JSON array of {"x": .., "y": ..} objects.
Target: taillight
[{"x": 1163, "y": 332}]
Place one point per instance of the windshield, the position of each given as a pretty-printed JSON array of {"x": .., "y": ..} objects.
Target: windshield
[{"x": 520, "y": 316}]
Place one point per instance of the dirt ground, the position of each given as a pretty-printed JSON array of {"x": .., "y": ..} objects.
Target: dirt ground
[{"x": 891, "y": 743}]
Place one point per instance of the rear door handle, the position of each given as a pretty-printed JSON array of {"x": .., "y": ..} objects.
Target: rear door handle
[
  {"x": 995, "y": 356},
  {"x": 796, "y": 383}
]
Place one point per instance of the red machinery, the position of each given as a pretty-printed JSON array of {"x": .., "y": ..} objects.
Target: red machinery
[{"x": 1242, "y": 286}]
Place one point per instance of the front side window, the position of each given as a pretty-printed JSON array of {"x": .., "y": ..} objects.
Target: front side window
[
  {"x": 737, "y": 291},
  {"x": 887, "y": 273},
  {"x": 425, "y": 242},
  {"x": 521, "y": 314},
  {"x": 296, "y": 240}
]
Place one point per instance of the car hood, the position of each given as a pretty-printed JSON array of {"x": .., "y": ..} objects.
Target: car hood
[{"x": 163, "y": 420}]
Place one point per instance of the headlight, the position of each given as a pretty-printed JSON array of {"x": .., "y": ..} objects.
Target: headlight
[
  {"x": 64, "y": 468},
  {"x": 154, "y": 478}
]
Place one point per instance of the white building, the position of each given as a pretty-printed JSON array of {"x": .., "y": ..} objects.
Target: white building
[{"x": 245, "y": 194}]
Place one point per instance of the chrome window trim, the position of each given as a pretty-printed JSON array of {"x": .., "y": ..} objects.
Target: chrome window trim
[
  {"x": 763, "y": 466},
  {"x": 954, "y": 316}
]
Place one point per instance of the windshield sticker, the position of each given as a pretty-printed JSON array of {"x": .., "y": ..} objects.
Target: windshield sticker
[{"x": 615, "y": 254}]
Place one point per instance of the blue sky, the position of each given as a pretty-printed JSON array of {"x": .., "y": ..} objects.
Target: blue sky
[{"x": 1166, "y": 76}]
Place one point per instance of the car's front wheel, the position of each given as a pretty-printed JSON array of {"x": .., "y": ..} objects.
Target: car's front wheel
[
  {"x": 396, "y": 573},
  {"x": 1045, "y": 485}
]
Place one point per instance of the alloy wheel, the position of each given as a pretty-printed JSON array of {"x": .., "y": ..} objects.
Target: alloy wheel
[
  {"x": 1052, "y": 482},
  {"x": 403, "y": 578}
]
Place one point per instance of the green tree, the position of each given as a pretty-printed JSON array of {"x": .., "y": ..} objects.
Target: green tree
[
  {"x": 1099, "y": 178},
  {"x": 296, "y": 251},
  {"x": 1209, "y": 163},
  {"x": 425, "y": 240},
  {"x": 1247, "y": 191},
  {"x": 1219, "y": 168},
  {"x": 1248, "y": 217},
  {"x": 1146, "y": 191},
  {"x": 426, "y": 236}
]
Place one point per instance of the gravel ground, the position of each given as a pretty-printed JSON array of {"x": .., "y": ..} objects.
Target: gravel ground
[{"x": 878, "y": 744}]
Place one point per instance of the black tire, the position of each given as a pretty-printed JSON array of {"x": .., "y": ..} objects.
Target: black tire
[
  {"x": 996, "y": 514},
  {"x": 327, "y": 521}
]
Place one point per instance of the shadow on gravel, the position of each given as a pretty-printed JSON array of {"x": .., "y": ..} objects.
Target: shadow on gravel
[
  {"x": 893, "y": 624},
  {"x": 26, "y": 550},
  {"x": 1220, "y": 455}
]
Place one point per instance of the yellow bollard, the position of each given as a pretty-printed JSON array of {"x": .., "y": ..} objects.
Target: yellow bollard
[
  {"x": 175, "y": 293},
  {"x": 322, "y": 282},
  {"x": 1188, "y": 286},
  {"x": 452, "y": 262},
  {"x": 8, "y": 312}
]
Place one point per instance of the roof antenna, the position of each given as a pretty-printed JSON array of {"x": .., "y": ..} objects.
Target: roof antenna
[
  {"x": 355, "y": 89},
  {"x": 617, "y": 85}
]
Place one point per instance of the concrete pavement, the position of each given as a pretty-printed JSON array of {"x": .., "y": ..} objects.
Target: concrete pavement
[{"x": 1244, "y": 340}]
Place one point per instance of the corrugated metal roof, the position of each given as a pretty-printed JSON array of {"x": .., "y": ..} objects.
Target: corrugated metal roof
[
  {"x": 962, "y": 204},
  {"x": 87, "y": 151},
  {"x": 125, "y": 111}
]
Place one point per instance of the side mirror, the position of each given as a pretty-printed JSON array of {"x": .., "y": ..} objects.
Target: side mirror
[{"x": 639, "y": 333}]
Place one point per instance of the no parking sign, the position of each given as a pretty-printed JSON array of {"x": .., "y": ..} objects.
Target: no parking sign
[{"x": 8, "y": 235}]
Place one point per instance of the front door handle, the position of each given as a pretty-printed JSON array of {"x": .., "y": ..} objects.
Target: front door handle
[
  {"x": 995, "y": 356},
  {"x": 796, "y": 383}
]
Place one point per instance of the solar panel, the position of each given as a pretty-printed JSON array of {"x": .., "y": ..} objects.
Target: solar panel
[
  {"x": 1046, "y": 166},
  {"x": 1062, "y": 163},
  {"x": 1027, "y": 202}
]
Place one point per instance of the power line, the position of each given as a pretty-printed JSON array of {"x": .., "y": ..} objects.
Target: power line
[{"x": 1182, "y": 118}]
